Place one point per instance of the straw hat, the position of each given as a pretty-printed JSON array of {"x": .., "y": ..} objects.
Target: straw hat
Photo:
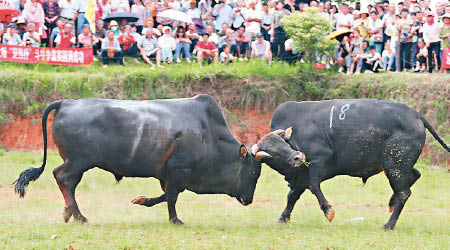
[{"x": 113, "y": 23}]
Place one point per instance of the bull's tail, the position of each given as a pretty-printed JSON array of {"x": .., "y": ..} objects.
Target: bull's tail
[
  {"x": 433, "y": 132},
  {"x": 33, "y": 174}
]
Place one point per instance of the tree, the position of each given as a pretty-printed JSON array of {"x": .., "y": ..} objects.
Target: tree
[{"x": 309, "y": 29}]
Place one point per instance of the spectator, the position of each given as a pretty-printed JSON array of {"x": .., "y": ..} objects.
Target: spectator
[
  {"x": 137, "y": 36},
  {"x": 291, "y": 6},
  {"x": 192, "y": 35},
  {"x": 261, "y": 49},
  {"x": 226, "y": 56},
  {"x": 34, "y": 13},
  {"x": 113, "y": 26},
  {"x": 128, "y": 44},
  {"x": 239, "y": 15},
  {"x": 85, "y": 38},
  {"x": 405, "y": 25},
  {"x": 100, "y": 34},
  {"x": 362, "y": 24},
  {"x": 120, "y": 6},
  {"x": 68, "y": 10},
  {"x": 291, "y": 54},
  {"x": 31, "y": 37},
  {"x": 343, "y": 18},
  {"x": 81, "y": 8},
  {"x": 167, "y": 45},
  {"x": 228, "y": 41},
  {"x": 254, "y": 20},
  {"x": 148, "y": 47},
  {"x": 51, "y": 12},
  {"x": 21, "y": 25},
  {"x": 416, "y": 34},
  {"x": 373, "y": 62},
  {"x": 444, "y": 33},
  {"x": 11, "y": 37},
  {"x": 139, "y": 10},
  {"x": 207, "y": 13},
  {"x": 104, "y": 9},
  {"x": 422, "y": 56},
  {"x": 375, "y": 31},
  {"x": 194, "y": 12},
  {"x": 266, "y": 21},
  {"x": 223, "y": 13},
  {"x": 431, "y": 37},
  {"x": 278, "y": 33},
  {"x": 206, "y": 49},
  {"x": 111, "y": 50},
  {"x": 213, "y": 37},
  {"x": 388, "y": 22},
  {"x": 182, "y": 42},
  {"x": 55, "y": 31},
  {"x": 65, "y": 39},
  {"x": 242, "y": 42},
  {"x": 388, "y": 57},
  {"x": 354, "y": 51}
]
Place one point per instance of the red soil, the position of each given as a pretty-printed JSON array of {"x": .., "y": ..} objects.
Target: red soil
[{"x": 25, "y": 134}]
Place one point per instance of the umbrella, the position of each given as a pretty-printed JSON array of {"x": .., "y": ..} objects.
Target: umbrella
[
  {"x": 175, "y": 15},
  {"x": 338, "y": 34},
  {"x": 119, "y": 16},
  {"x": 7, "y": 12}
]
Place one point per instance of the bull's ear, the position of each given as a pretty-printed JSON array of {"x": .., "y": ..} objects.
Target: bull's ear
[
  {"x": 243, "y": 150},
  {"x": 288, "y": 133}
]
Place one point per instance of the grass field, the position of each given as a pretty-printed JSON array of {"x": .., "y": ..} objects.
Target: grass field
[{"x": 218, "y": 221}]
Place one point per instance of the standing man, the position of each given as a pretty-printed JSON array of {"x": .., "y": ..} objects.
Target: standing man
[
  {"x": 254, "y": 19},
  {"x": 223, "y": 13},
  {"x": 81, "y": 8},
  {"x": 278, "y": 34},
  {"x": 266, "y": 21}
]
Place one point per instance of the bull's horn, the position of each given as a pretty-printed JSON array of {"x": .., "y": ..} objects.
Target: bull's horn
[
  {"x": 278, "y": 132},
  {"x": 288, "y": 134},
  {"x": 255, "y": 149},
  {"x": 262, "y": 155}
]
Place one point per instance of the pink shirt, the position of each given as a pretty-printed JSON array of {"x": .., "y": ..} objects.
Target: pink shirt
[
  {"x": 34, "y": 13},
  {"x": 84, "y": 39},
  {"x": 431, "y": 32}
]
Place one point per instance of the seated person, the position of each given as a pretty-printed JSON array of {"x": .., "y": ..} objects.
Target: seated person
[
  {"x": 148, "y": 47},
  {"x": 128, "y": 44},
  {"x": 182, "y": 43},
  {"x": 226, "y": 56},
  {"x": 111, "y": 50},
  {"x": 85, "y": 38},
  {"x": 388, "y": 57},
  {"x": 11, "y": 37},
  {"x": 242, "y": 43},
  {"x": 421, "y": 63},
  {"x": 167, "y": 45},
  {"x": 192, "y": 35},
  {"x": 206, "y": 49},
  {"x": 65, "y": 39},
  {"x": 31, "y": 37},
  {"x": 55, "y": 32},
  {"x": 115, "y": 28},
  {"x": 290, "y": 52},
  {"x": 100, "y": 34},
  {"x": 373, "y": 61},
  {"x": 261, "y": 49},
  {"x": 229, "y": 41}
]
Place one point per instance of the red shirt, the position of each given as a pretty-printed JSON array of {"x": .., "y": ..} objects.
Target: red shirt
[
  {"x": 126, "y": 43},
  {"x": 65, "y": 41},
  {"x": 207, "y": 45}
]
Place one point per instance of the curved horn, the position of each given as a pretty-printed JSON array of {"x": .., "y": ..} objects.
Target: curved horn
[
  {"x": 278, "y": 132},
  {"x": 262, "y": 155},
  {"x": 255, "y": 149}
]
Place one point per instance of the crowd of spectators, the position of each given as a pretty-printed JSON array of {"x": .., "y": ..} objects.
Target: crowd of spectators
[{"x": 376, "y": 35}]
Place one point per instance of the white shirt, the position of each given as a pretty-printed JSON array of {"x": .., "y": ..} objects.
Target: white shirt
[
  {"x": 343, "y": 19},
  {"x": 166, "y": 41},
  {"x": 67, "y": 9},
  {"x": 373, "y": 25},
  {"x": 255, "y": 27}
]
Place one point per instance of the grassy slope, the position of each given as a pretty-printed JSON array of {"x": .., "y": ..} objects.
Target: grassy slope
[{"x": 218, "y": 221}]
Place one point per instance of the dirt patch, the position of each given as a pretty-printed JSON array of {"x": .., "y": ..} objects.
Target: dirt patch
[{"x": 25, "y": 133}]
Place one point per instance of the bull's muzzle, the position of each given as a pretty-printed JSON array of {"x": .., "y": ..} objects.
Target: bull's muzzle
[{"x": 299, "y": 159}]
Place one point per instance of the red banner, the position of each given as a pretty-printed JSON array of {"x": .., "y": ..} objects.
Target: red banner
[
  {"x": 24, "y": 54},
  {"x": 445, "y": 60}
]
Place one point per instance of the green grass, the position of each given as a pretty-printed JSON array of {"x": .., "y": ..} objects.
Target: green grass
[{"x": 219, "y": 221}]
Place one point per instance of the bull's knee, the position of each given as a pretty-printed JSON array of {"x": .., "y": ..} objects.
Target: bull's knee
[
  {"x": 414, "y": 176},
  {"x": 404, "y": 195}
]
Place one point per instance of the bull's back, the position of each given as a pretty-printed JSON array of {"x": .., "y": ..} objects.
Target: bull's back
[{"x": 130, "y": 138}]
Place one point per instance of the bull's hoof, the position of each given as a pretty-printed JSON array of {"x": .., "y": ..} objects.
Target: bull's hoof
[
  {"x": 387, "y": 227},
  {"x": 140, "y": 200},
  {"x": 176, "y": 221},
  {"x": 391, "y": 208},
  {"x": 330, "y": 215},
  {"x": 67, "y": 214},
  {"x": 80, "y": 218},
  {"x": 284, "y": 219}
]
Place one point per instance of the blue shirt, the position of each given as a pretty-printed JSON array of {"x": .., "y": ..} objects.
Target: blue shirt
[
  {"x": 105, "y": 44},
  {"x": 224, "y": 15}
]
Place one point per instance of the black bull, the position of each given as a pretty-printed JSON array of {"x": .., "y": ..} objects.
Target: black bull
[
  {"x": 358, "y": 138},
  {"x": 184, "y": 143}
]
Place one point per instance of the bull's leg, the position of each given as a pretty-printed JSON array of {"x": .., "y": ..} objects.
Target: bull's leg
[
  {"x": 68, "y": 176},
  {"x": 292, "y": 198},
  {"x": 149, "y": 202},
  {"x": 412, "y": 179},
  {"x": 317, "y": 173},
  {"x": 175, "y": 184}
]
